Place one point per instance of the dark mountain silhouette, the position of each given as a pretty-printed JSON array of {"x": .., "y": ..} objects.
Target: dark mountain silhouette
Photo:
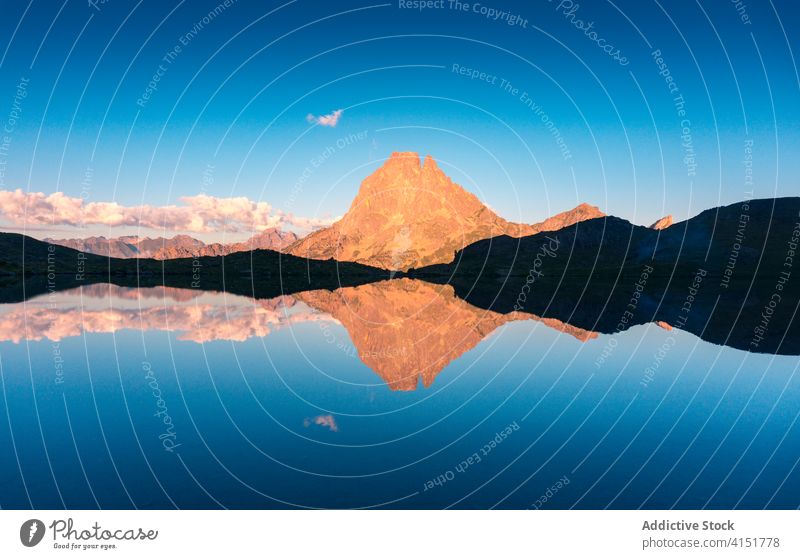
[
  {"x": 728, "y": 270},
  {"x": 29, "y": 267},
  {"x": 607, "y": 245}
]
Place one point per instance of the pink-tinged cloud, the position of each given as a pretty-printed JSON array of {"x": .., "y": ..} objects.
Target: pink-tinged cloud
[
  {"x": 197, "y": 317},
  {"x": 327, "y": 421},
  {"x": 196, "y": 214},
  {"x": 331, "y": 119}
]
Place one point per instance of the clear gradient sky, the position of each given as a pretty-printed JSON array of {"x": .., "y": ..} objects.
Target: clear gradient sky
[{"x": 112, "y": 112}]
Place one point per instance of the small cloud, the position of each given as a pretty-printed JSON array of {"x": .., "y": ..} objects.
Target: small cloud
[
  {"x": 331, "y": 119},
  {"x": 323, "y": 421}
]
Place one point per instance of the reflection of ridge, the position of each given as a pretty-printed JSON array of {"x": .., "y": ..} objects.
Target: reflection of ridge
[
  {"x": 406, "y": 330},
  {"x": 200, "y": 317},
  {"x": 576, "y": 332}
]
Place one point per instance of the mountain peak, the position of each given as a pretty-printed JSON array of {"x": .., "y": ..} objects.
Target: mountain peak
[
  {"x": 409, "y": 214},
  {"x": 581, "y": 212},
  {"x": 406, "y": 214},
  {"x": 584, "y": 207},
  {"x": 402, "y": 160},
  {"x": 407, "y": 163},
  {"x": 432, "y": 171}
]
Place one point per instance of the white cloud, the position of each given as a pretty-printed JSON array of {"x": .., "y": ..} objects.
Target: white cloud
[
  {"x": 197, "y": 214},
  {"x": 331, "y": 119}
]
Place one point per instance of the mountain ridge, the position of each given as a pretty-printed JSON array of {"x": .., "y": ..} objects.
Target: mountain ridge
[{"x": 179, "y": 246}]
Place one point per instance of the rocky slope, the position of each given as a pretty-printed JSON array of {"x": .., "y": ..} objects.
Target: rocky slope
[
  {"x": 662, "y": 223},
  {"x": 409, "y": 214}
]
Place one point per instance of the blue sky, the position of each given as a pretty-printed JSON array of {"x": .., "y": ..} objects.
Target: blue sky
[{"x": 228, "y": 116}]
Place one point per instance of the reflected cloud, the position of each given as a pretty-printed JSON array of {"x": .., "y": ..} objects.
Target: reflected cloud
[
  {"x": 102, "y": 308},
  {"x": 327, "y": 421}
]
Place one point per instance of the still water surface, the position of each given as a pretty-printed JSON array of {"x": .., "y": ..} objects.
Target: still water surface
[{"x": 394, "y": 394}]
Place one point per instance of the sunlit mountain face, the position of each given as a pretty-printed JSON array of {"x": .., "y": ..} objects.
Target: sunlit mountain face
[{"x": 410, "y": 214}]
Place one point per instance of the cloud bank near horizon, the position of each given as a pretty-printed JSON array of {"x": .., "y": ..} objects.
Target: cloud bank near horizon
[{"x": 195, "y": 214}]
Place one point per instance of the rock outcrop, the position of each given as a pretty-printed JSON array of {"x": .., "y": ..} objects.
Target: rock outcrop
[{"x": 662, "y": 223}]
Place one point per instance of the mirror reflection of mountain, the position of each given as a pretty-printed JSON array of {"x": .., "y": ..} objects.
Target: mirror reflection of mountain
[
  {"x": 407, "y": 330},
  {"x": 404, "y": 330}
]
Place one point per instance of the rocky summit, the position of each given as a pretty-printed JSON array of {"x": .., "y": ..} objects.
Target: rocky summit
[{"x": 410, "y": 214}]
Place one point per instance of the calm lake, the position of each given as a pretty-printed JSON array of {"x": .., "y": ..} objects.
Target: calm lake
[{"x": 394, "y": 394}]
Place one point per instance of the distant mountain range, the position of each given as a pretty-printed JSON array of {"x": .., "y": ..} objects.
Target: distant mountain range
[
  {"x": 180, "y": 246},
  {"x": 29, "y": 267}
]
